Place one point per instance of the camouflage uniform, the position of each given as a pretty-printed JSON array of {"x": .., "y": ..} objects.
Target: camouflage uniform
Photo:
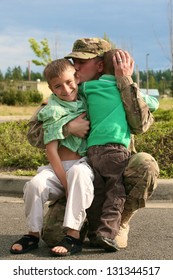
[
  {"x": 140, "y": 176},
  {"x": 87, "y": 48},
  {"x": 142, "y": 171}
]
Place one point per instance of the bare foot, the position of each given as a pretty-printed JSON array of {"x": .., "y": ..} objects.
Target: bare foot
[
  {"x": 59, "y": 249},
  {"x": 18, "y": 247},
  {"x": 62, "y": 250}
]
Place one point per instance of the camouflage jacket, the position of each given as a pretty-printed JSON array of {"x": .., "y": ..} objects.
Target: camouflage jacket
[{"x": 138, "y": 114}]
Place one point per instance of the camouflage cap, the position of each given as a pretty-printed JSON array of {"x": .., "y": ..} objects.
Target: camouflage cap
[{"x": 86, "y": 48}]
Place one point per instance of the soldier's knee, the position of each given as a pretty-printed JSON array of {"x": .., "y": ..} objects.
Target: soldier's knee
[
  {"x": 142, "y": 163},
  {"x": 140, "y": 176}
]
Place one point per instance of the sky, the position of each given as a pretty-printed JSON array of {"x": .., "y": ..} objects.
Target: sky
[{"x": 141, "y": 27}]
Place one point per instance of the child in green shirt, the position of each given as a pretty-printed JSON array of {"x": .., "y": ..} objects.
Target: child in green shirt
[
  {"x": 68, "y": 172},
  {"x": 108, "y": 154}
]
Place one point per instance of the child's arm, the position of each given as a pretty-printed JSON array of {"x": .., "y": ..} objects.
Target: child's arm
[{"x": 55, "y": 161}]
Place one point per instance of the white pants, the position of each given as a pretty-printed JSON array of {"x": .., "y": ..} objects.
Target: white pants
[{"x": 46, "y": 186}]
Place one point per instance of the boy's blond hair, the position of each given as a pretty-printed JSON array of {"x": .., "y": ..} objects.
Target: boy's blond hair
[{"x": 55, "y": 68}]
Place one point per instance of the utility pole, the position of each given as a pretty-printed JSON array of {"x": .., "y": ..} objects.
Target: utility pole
[
  {"x": 137, "y": 76},
  {"x": 170, "y": 9},
  {"x": 29, "y": 70},
  {"x": 147, "y": 55}
]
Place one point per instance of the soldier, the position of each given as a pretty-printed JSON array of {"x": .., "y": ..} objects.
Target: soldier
[{"x": 142, "y": 171}]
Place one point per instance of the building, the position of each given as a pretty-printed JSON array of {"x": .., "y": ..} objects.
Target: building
[
  {"x": 38, "y": 85},
  {"x": 151, "y": 92}
]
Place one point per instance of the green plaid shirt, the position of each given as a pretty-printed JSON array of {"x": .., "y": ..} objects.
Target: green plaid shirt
[{"x": 55, "y": 115}]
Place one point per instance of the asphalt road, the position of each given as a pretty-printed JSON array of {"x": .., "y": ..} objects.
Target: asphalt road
[{"x": 150, "y": 238}]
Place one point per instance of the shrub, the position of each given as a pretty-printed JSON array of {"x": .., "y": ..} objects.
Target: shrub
[
  {"x": 163, "y": 115},
  {"x": 8, "y": 97},
  {"x": 34, "y": 96},
  {"x": 15, "y": 148},
  {"x": 158, "y": 141},
  {"x": 18, "y": 153},
  {"x": 19, "y": 97}
]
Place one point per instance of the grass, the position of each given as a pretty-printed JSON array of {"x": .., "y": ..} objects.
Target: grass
[
  {"x": 6, "y": 110},
  {"x": 17, "y": 172},
  {"x": 166, "y": 103}
]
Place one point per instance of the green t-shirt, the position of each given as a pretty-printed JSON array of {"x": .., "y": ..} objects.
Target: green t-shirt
[
  {"x": 106, "y": 112},
  {"x": 55, "y": 115}
]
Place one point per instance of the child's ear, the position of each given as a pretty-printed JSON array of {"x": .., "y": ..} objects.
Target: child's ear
[
  {"x": 49, "y": 87},
  {"x": 77, "y": 79}
]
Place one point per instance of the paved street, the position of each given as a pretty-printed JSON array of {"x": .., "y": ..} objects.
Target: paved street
[{"x": 151, "y": 234}]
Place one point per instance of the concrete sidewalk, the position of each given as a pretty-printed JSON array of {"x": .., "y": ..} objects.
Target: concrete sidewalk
[
  {"x": 13, "y": 118},
  {"x": 13, "y": 186}
]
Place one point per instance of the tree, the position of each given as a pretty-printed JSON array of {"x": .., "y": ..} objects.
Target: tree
[
  {"x": 41, "y": 50},
  {"x": 152, "y": 81},
  {"x": 170, "y": 9},
  {"x": 17, "y": 73},
  {"x": 9, "y": 74},
  {"x": 34, "y": 76},
  {"x": 1, "y": 76},
  {"x": 170, "y": 55},
  {"x": 105, "y": 37}
]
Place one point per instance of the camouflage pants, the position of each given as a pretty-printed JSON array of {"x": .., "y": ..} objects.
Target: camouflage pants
[{"x": 140, "y": 180}]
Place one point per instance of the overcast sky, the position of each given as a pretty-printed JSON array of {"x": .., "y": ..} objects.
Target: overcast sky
[{"x": 139, "y": 26}]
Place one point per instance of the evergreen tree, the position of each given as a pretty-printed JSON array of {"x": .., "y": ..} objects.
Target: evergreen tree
[
  {"x": 1, "y": 76},
  {"x": 17, "y": 73},
  {"x": 9, "y": 74}
]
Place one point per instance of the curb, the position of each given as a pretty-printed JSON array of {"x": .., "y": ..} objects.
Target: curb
[
  {"x": 164, "y": 190},
  {"x": 13, "y": 186}
]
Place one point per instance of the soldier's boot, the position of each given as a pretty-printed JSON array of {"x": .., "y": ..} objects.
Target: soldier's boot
[{"x": 122, "y": 237}]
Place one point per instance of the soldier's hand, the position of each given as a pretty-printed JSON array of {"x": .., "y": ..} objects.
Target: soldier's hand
[
  {"x": 79, "y": 126},
  {"x": 123, "y": 64}
]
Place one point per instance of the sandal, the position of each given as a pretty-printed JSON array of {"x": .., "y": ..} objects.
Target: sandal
[
  {"x": 28, "y": 242},
  {"x": 72, "y": 245},
  {"x": 83, "y": 231}
]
